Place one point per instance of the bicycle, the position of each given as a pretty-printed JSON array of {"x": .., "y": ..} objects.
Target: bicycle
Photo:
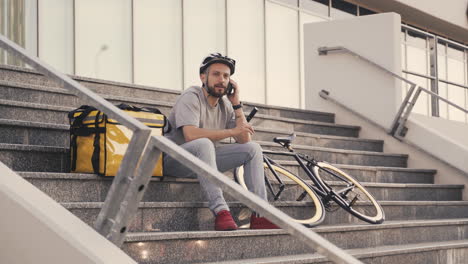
[{"x": 318, "y": 195}]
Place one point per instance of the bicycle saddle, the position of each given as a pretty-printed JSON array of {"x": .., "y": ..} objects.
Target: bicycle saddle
[{"x": 285, "y": 140}]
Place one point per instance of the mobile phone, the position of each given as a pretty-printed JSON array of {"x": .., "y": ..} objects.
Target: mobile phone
[{"x": 230, "y": 89}]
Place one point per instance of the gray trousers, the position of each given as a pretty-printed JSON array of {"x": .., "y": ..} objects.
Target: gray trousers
[{"x": 222, "y": 158}]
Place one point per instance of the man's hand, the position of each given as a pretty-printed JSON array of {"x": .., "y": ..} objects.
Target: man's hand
[
  {"x": 234, "y": 98},
  {"x": 242, "y": 129}
]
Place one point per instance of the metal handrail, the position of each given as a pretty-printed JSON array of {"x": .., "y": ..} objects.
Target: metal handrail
[
  {"x": 427, "y": 34},
  {"x": 397, "y": 127},
  {"x": 116, "y": 213},
  {"x": 393, "y": 127},
  {"x": 140, "y": 159},
  {"x": 434, "y": 78}
]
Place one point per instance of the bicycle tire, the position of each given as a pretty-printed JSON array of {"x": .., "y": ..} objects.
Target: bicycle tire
[
  {"x": 372, "y": 213},
  {"x": 295, "y": 188}
]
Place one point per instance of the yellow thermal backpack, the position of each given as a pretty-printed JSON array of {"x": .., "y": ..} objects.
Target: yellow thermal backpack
[{"x": 98, "y": 143}]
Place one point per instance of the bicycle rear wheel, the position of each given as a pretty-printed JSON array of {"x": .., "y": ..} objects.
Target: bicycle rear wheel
[
  {"x": 297, "y": 199},
  {"x": 353, "y": 197}
]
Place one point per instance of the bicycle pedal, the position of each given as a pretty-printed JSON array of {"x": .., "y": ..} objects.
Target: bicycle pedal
[
  {"x": 301, "y": 197},
  {"x": 354, "y": 200}
]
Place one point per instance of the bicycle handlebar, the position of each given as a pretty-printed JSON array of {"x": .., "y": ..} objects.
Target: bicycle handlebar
[{"x": 252, "y": 114}]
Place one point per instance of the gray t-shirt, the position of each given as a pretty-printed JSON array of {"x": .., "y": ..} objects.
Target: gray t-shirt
[{"x": 192, "y": 109}]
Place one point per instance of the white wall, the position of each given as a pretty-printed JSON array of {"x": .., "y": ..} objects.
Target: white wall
[
  {"x": 443, "y": 138},
  {"x": 354, "y": 82},
  {"x": 36, "y": 229}
]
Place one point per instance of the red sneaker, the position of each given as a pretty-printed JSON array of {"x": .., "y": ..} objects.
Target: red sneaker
[
  {"x": 257, "y": 222},
  {"x": 224, "y": 221}
]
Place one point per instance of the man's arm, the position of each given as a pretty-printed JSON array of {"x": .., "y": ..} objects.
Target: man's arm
[
  {"x": 193, "y": 132},
  {"x": 246, "y": 129}
]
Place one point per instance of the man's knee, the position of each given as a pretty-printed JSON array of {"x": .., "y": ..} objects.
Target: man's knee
[
  {"x": 201, "y": 147},
  {"x": 254, "y": 149}
]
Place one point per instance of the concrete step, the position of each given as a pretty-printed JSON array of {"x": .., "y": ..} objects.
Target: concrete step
[
  {"x": 354, "y": 157},
  {"x": 18, "y": 151},
  {"x": 454, "y": 252},
  {"x": 35, "y": 112},
  {"x": 34, "y": 158},
  {"x": 373, "y": 173},
  {"x": 37, "y": 133},
  {"x": 191, "y": 216},
  {"x": 34, "y": 133},
  {"x": 73, "y": 187},
  {"x": 212, "y": 246},
  {"x": 318, "y": 140},
  {"x": 30, "y": 82},
  {"x": 90, "y": 188}
]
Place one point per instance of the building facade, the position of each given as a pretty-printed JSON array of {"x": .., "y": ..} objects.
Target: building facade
[{"x": 160, "y": 43}]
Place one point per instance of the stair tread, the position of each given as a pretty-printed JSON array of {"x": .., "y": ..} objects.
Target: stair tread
[
  {"x": 357, "y": 252},
  {"x": 96, "y": 205},
  {"x": 298, "y": 133},
  {"x": 363, "y": 152},
  {"x": 263, "y": 143},
  {"x": 277, "y": 131},
  {"x": 153, "y": 236},
  {"x": 135, "y": 86},
  {"x": 170, "y": 179},
  {"x": 264, "y": 116}
]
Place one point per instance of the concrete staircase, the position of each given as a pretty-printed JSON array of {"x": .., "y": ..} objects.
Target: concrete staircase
[{"x": 426, "y": 222}]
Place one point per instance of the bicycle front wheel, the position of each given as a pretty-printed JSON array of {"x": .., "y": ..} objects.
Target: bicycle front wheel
[
  {"x": 296, "y": 199},
  {"x": 352, "y": 196}
]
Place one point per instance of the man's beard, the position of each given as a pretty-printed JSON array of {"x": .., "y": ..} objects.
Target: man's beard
[{"x": 212, "y": 90}]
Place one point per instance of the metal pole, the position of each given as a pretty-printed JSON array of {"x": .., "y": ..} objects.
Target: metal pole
[
  {"x": 400, "y": 129},
  {"x": 434, "y": 73},
  {"x": 396, "y": 120},
  {"x": 121, "y": 201}
]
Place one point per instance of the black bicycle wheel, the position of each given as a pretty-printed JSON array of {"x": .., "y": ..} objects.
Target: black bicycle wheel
[
  {"x": 297, "y": 199},
  {"x": 354, "y": 198}
]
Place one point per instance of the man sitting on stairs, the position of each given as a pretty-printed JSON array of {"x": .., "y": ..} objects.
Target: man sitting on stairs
[{"x": 201, "y": 117}]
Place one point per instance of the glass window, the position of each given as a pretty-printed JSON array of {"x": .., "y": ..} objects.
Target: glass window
[
  {"x": 441, "y": 49},
  {"x": 364, "y": 11},
  {"x": 443, "y": 106},
  {"x": 246, "y": 44},
  {"x": 455, "y": 70},
  {"x": 441, "y": 62},
  {"x": 317, "y": 6},
  {"x": 417, "y": 60},
  {"x": 15, "y": 26},
  {"x": 30, "y": 25},
  {"x": 289, "y": 2},
  {"x": 455, "y": 52},
  {"x": 416, "y": 40},
  {"x": 457, "y": 96},
  {"x": 56, "y": 38},
  {"x": 423, "y": 103},
  {"x": 403, "y": 56},
  {"x": 104, "y": 39},
  {"x": 204, "y": 33},
  {"x": 341, "y": 9},
  {"x": 158, "y": 43},
  {"x": 282, "y": 55}
]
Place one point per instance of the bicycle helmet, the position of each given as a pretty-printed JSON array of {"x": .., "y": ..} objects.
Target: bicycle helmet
[{"x": 217, "y": 58}]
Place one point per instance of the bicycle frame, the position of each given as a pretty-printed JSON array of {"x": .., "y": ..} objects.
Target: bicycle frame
[{"x": 319, "y": 186}]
